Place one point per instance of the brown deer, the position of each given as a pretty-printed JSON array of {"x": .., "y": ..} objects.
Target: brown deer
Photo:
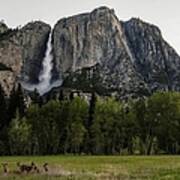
[
  {"x": 26, "y": 168},
  {"x": 36, "y": 169},
  {"x": 21, "y": 167},
  {"x": 45, "y": 166},
  {"x": 5, "y": 168}
]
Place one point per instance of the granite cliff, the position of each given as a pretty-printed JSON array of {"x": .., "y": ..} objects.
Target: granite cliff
[
  {"x": 21, "y": 53},
  {"x": 92, "y": 52},
  {"x": 96, "y": 51},
  {"x": 154, "y": 58}
]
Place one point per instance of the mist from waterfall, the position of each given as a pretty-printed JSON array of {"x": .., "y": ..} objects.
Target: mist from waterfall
[{"x": 45, "y": 84}]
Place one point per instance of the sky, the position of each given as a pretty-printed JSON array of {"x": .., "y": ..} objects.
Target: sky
[{"x": 163, "y": 13}]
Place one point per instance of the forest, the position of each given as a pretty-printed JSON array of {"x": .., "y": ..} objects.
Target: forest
[{"x": 100, "y": 126}]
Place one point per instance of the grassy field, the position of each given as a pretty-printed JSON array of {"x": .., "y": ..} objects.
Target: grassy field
[{"x": 97, "y": 167}]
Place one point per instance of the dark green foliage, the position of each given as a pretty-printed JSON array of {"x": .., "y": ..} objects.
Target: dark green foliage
[
  {"x": 71, "y": 96},
  {"x": 44, "y": 127},
  {"x": 20, "y": 100},
  {"x": 107, "y": 117},
  {"x": 36, "y": 98},
  {"x": 19, "y": 136},
  {"x": 78, "y": 113},
  {"x": 101, "y": 126},
  {"x": 92, "y": 105},
  {"x": 164, "y": 110},
  {"x": 7, "y": 34},
  {"x": 3, "y": 123},
  {"x": 61, "y": 95},
  {"x": 157, "y": 120},
  {"x": 57, "y": 127},
  {"x": 87, "y": 145},
  {"x": 86, "y": 79},
  {"x": 3, "y": 109},
  {"x": 16, "y": 103}
]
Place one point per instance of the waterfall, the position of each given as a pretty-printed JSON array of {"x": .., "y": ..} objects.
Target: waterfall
[
  {"x": 45, "y": 75},
  {"x": 45, "y": 84}
]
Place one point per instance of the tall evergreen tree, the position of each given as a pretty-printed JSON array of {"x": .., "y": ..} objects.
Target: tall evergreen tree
[
  {"x": 3, "y": 124},
  {"x": 92, "y": 108},
  {"x": 16, "y": 102},
  {"x": 3, "y": 109},
  {"x": 61, "y": 95},
  {"x": 88, "y": 123},
  {"x": 71, "y": 96},
  {"x": 12, "y": 105},
  {"x": 20, "y": 100},
  {"x": 35, "y": 96}
]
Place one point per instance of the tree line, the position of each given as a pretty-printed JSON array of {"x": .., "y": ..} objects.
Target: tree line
[{"x": 99, "y": 126}]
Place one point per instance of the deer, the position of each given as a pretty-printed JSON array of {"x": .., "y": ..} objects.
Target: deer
[
  {"x": 26, "y": 168},
  {"x": 36, "y": 169},
  {"x": 5, "y": 168},
  {"x": 21, "y": 167},
  {"x": 45, "y": 166}
]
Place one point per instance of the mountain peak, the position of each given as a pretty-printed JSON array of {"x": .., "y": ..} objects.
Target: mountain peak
[
  {"x": 137, "y": 23},
  {"x": 103, "y": 9}
]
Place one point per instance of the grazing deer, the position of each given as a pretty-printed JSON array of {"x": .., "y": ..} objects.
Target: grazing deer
[
  {"x": 26, "y": 168},
  {"x": 21, "y": 167},
  {"x": 36, "y": 169},
  {"x": 29, "y": 168},
  {"x": 45, "y": 166},
  {"x": 5, "y": 168}
]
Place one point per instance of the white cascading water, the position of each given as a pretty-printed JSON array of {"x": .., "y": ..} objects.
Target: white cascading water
[{"x": 45, "y": 76}]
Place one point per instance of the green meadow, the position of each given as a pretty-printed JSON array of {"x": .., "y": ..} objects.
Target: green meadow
[{"x": 95, "y": 167}]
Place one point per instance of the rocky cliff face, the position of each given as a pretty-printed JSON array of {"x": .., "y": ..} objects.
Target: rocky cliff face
[
  {"x": 154, "y": 59},
  {"x": 96, "y": 51},
  {"x": 33, "y": 38},
  {"x": 21, "y": 52},
  {"x": 92, "y": 52}
]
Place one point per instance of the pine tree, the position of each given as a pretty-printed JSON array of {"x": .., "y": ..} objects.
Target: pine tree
[
  {"x": 3, "y": 124},
  {"x": 88, "y": 124},
  {"x": 20, "y": 101},
  {"x": 61, "y": 95},
  {"x": 71, "y": 96},
  {"x": 12, "y": 105},
  {"x": 16, "y": 102},
  {"x": 3, "y": 109},
  {"x": 35, "y": 96},
  {"x": 92, "y": 108}
]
